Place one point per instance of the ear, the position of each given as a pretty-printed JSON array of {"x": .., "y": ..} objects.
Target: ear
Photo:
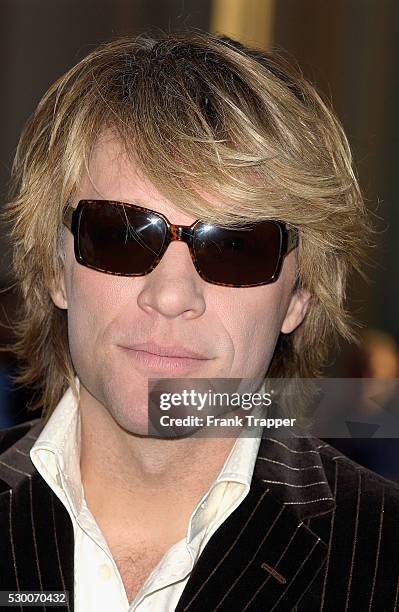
[
  {"x": 296, "y": 311},
  {"x": 58, "y": 293}
]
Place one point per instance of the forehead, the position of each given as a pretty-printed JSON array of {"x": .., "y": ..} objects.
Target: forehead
[{"x": 113, "y": 175}]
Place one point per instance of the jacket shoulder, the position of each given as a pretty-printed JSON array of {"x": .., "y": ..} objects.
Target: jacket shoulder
[
  {"x": 11, "y": 435},
  {"x": 364, "y": 501},
  {"x": 341, "y": 469},
  {"x": 361, "y": 535}
]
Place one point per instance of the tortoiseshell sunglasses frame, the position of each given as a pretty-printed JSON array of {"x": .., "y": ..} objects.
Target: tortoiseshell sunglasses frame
[{"x": 183, "y": 233}]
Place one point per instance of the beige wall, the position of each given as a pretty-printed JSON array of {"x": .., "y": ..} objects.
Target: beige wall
[{"x": 249, "y": 21}]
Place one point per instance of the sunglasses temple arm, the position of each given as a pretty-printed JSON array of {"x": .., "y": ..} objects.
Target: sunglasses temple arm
[
  {"x": 67, "y": 217},
  {"x": 292, "y": 239}
]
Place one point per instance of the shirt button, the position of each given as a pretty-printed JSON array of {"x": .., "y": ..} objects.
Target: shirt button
[
  {"x": 105, "y": 572},
  {"x": 203, "y": 505}
]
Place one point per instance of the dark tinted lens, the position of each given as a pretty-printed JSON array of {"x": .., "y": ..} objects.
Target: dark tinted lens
[
  {"x": 238, "y": 257},
  {"x": 119, "y": 238}
]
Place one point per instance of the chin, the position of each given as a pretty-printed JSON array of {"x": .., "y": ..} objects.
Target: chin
[
  {"x": 126, "y": 401},
  {"x": 134, "y": 425}
]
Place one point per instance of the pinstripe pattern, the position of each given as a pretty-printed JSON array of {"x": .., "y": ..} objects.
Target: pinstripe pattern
[
  {"x": 248, "y": 564},
  {"x": 28, "y": 476},
  {"x": 234, "y": 543},
  {"x": 64, "y": 588},
  {"x": 251, "y": 561},
  {"x": 11, "y": 467},
  {"x": 290, "y": 467},
  {"x": 10, "y": 532},
  {"x": 276, "y": 566},
  {"x": 33, "y": 533},
  {"x": 377, "y": 556},
  {"x": 290, "y": 484},
  {"x": 296, "y": 573},
  {"x": 310, "y": 501},
  {"x": 330, "y": 540},
  {"x": 292, "y": 450},
  {"x": 354, "y": 542},
  {"x": 316, "y": 533}
]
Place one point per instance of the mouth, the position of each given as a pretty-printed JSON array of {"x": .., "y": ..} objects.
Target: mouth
[{"x": 164, "y": 358}]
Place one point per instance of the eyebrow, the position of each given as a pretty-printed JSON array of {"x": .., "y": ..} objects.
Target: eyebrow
[{"x": 68, "y": 212}]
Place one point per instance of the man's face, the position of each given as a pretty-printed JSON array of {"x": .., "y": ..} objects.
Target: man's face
[{"x": 234, "y": 330}]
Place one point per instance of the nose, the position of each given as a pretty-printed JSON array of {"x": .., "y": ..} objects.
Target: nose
[{"x": 174, "y": 288}]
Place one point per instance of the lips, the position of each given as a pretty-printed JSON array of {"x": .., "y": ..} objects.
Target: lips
[
  {"x": 160, "y": 359},
  {"x": 176, "y": 351}
]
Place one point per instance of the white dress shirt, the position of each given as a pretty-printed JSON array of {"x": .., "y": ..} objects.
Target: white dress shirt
[{"x": 98, "y": 584}]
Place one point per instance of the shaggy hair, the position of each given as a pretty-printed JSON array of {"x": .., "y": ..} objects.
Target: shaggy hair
[{"x": 204, "y": 117}]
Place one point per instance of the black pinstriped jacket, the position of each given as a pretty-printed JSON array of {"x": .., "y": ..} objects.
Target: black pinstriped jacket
[{"x": 317, "y": 532}]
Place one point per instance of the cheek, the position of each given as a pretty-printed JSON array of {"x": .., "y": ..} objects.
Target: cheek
[
  {"x": 92, "y": 299},
  {"x": 254, "y": 326}
]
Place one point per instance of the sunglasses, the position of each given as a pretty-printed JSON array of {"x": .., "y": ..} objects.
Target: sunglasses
[{"x": 129, "y": 240}]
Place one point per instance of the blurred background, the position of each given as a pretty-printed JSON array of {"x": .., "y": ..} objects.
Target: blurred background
[{"x": 348, "y": 48}]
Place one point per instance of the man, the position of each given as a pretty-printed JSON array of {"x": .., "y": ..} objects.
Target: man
[{"x": 198, "y": 132}]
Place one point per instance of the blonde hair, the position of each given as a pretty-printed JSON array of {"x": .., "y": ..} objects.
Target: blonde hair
[{"x": 204, "y": 117}]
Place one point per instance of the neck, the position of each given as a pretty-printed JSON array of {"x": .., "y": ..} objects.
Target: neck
[{"x": 130, "y": 476}]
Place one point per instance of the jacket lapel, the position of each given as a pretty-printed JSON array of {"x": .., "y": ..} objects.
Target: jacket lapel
[
  {"x": 40, "y": 541},
  {"x": 264, "y": 557}
]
